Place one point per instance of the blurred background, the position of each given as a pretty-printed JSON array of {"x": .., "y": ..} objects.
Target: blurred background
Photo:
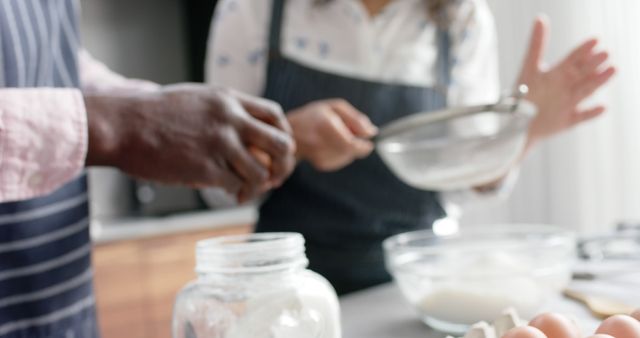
[{"x": 587, "y": 180}]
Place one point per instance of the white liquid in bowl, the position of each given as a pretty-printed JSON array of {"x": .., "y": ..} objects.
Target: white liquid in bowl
[
  {"x": 467, "y": 304},
  {"x": 479, "y": 288}
]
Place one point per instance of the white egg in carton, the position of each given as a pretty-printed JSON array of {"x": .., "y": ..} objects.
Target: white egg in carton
[{"x": 507, "y": 321}]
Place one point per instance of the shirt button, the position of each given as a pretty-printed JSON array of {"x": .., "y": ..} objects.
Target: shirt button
[{"x": 36, "y": 180}]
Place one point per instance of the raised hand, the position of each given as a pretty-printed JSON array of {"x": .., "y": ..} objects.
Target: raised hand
[{"x": 559, "y": 90}]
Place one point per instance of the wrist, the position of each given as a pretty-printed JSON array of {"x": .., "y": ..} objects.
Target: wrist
[{"x": 109, "y": 124}]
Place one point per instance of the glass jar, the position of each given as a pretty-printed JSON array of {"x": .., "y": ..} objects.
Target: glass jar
[{"x": 256, "y": 286}]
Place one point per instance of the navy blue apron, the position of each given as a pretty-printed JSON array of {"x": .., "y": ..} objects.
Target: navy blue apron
[
  {"x": 45, "y": 266},
  {"x": 345, "y": 215}
]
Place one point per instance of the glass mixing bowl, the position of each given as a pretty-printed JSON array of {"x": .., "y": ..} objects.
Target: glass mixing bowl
[
  {"x": 457, "y": 148},
  {"x": 456, "y": 280}
]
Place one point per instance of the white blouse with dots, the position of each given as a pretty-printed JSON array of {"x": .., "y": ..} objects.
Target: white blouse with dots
[{"x": 396, "y": 46}]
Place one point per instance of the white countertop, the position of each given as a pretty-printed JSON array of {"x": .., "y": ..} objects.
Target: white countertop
[
  {"x": 135, "y": 228},
  {"x": 381, "y": 312}
]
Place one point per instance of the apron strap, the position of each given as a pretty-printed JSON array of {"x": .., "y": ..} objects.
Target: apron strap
[
  {"x": 275, "y": 30},
  {"x": 443, "y": 64}
]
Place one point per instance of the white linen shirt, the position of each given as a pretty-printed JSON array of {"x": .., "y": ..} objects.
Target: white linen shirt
[{"x": 399, "y": 45}]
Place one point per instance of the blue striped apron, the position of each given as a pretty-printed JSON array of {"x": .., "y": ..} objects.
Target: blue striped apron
[
  {"x": 345, "y": 215},
  {"x": 45, "y": 267}
]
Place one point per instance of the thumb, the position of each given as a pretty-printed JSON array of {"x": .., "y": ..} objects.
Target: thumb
[
  {"x": 537, "y": 45},
  {"x": 356, "y": 121}
]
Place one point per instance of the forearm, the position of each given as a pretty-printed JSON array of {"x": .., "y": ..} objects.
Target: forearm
[{"x": 116, "y": 124}]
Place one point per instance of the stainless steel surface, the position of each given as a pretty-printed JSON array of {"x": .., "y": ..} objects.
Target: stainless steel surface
[
  {"x": 382, "y": 313},
  {"x": 456, "y": 148},
  {"x": 623, "y": 244},
  {"x": 416, "y": 121}
]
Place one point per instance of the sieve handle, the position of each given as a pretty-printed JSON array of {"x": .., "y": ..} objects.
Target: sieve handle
[
  {"x": 518, "y": 95},
  {"x": 509, "y": 104}
]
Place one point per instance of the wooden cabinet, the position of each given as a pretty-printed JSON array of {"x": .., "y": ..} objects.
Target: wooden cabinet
[{"x": 137, "y": 281}]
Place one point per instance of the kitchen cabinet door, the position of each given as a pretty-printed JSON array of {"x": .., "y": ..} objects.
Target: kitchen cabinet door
[{"x": 137, "y": 281}]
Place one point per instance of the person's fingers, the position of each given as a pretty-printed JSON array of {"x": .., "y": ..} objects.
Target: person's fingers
[
  {"x": 273, "y": 141},
  {"x": 593, "y": 62},
  {"x": 335, "y": 132},
  {"x": 250, "y": 170},
  {"x": 636, "y": 315},
  {"x": 266, "y": 161},
  {"x": 580, "y": 52},
  {"x": 344, "y": 140},
  {"x": 266, "y": 111},
  {"x": 586, "y": 115},
  {"x": 261, "y": 156},
  {"x": 588, "y": 86},
  {"x": 362, "y": 148},
  {"x": 277, "y": 144},
  {"x": 536, "y": 49},
  {"x": 359, "y": 123},
  {"x": 620, "y": 326},
  {"x": 601, "y": 336},
  {"x": 222, "y": 176}
]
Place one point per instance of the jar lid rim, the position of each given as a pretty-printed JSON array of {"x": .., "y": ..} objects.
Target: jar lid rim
[
  {"x": 251, "y": 242},
  {"x": 251, "y": 253}
]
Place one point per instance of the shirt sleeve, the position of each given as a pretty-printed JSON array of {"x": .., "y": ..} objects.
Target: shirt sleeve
[
  {"x": 43, "y": 140},
  {"x": 475, "y": 80},
  {"x": 238, "y": 45},
  {"x": 43, "y": 131}
]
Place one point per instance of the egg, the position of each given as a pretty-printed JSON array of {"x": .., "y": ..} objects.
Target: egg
[
  {"x": 636, "y": 315},
  {"x": 620, "y": 326},
  {"x": 261, "y": 156},
  {"x": 524, "y": 332},
  {"x": 554, "y": 325}
]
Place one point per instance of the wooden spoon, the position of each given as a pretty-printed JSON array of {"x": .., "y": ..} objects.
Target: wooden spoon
[{"x": 601, "y": 307}]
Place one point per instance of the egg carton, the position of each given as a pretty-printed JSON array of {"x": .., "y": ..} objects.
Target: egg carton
[{"x": 507, "y": 321}]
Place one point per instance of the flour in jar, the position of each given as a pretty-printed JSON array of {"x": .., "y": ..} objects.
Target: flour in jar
[{"x": 288, "y": 313}]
